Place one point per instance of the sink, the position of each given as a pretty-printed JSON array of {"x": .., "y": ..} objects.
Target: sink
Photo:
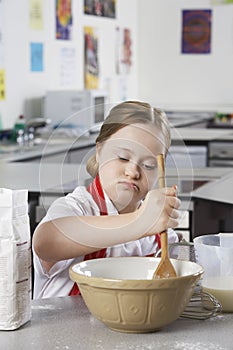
[
  {"x": 9, "y": 148},
  {"x": 14, "y": 148},
  {"x": 39, "y": 143},
  {"x": 55, "y": 141}
]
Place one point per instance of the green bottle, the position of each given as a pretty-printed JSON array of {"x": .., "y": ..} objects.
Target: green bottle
[{"x": 19, "y": 125}]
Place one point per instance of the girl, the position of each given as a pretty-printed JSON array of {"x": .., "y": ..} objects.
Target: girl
[{"x": 120, "y": 213}]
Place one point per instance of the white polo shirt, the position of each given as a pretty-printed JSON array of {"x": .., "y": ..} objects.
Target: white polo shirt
[{"x": 56, "y": 282}]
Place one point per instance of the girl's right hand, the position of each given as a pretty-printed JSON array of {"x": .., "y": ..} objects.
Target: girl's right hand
[{"x": 160, "y": 210}]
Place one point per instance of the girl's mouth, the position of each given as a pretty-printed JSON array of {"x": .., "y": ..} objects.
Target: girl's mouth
[{"x": 129, "y": 185}]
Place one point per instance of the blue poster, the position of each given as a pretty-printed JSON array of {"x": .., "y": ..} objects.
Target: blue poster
[{"x": 36, "y": 57}]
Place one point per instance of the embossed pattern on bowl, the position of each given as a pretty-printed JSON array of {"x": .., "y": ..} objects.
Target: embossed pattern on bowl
[{"x": 121, "y": 293}]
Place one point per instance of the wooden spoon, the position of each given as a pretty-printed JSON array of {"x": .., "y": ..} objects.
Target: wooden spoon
[{"x": 165, "y": 268}]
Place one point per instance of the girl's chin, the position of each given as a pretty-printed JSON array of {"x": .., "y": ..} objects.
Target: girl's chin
[{"x": 126, "y": 204}]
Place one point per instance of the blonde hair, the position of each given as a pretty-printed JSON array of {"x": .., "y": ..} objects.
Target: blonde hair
[{"x": 127, "y": 113}]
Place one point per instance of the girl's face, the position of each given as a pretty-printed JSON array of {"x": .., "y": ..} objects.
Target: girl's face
[{"x": 128, "y": 165}]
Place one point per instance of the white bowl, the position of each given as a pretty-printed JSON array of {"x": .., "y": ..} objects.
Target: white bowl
[{"x": 121, "y": 293}]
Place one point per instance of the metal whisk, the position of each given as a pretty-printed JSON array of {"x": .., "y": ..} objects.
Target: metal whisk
[{"x": 202, "y": 305}]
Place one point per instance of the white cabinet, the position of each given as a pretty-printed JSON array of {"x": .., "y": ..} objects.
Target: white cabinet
[
  {"x": 187, "y": 157},
  {"x": 221, "y": 154}
]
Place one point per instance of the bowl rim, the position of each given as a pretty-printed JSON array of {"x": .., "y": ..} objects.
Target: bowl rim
[{"x": 124, "y": 283}]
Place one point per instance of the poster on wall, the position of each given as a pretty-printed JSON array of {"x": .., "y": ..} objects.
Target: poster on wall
[
  {"x": 36, "y": 52},
  {"x": 91, "y": 63},
  {"x": 2, "y": 85},
  {"x": 123, "y": 50},
  {"x": 103, "y": 8},
  {"x": 196, "y": 31},
  {"x": 63, "y": 19},
  {"x": 36, "y": 14},
  {"x": 68, "y": 74}
]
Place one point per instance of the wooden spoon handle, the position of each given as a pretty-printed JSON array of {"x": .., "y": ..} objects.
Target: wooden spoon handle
[
  {"x": 161, "y": 171},
  {"x": 165, "y": 268},
  {"x": 164, "y": 244},
  {"x": 162, "y": 184}
]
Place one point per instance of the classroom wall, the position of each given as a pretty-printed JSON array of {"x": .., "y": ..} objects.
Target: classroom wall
[
  {"x": 159, "y": 73},
  {"x": 24, "y": 88},
  {"x": 184, "y": 81}
]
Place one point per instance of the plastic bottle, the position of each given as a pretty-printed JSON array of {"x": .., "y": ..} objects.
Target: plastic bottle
[{"x": 19, "y": 125}]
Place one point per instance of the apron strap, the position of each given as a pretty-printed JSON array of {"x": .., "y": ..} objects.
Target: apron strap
[{"x": 95, "y": 189}]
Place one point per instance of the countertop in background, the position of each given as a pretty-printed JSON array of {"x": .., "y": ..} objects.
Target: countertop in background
[
  {"x": 62, "y": 178},
  {"x": 184, "y": 135}
]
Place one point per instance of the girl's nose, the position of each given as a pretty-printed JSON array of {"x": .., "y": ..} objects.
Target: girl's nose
[{"x": 132, "y": 170}]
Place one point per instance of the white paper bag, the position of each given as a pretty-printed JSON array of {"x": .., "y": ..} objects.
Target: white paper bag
[{"x": 15, "y": 259}]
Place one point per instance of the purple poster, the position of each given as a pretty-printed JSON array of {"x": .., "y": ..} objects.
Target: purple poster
[
  {"x": 196, "y": 31},
  {"x": 63, "y": 19}
]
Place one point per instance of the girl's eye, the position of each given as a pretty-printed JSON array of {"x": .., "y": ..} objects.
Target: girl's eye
[
  {"x": 123, "y": 158},
  {"x": 149, "y": 166}
]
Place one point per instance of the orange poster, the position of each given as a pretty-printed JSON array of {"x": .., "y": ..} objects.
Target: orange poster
[{"x": 91, "y": 77}]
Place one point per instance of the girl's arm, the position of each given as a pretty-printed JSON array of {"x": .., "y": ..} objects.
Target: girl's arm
[{"x": 74, "y": 236}]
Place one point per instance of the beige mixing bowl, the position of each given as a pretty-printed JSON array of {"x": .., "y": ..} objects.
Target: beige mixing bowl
[{"x": 121, "y": 293}]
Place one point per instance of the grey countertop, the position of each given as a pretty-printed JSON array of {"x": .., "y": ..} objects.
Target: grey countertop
[
  {"x": 51, "y": 146},
  {"x": 201, "y": 134},
  {"x": 49, "y": 181},
  {"x": 66, "y": 323},
  {"x": 220, "y": 190},
  {"x": 183, "y": 118},
  {"x": 56, "y": 146},
  {"x": 41, "y": 178},
  {"x": 58, "y": 178},
  {"x": 63, "y": 178}
]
